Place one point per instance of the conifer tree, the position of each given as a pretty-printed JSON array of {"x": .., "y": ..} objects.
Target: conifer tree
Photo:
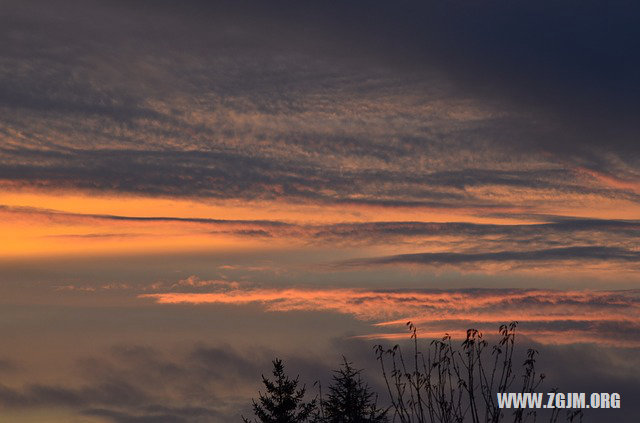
[
  {"x": 350, "y": 400},
  {"x": 282, "y": 402}
]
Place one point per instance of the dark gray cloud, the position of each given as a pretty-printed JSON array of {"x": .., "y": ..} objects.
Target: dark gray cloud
[
  {"x": 411, "y": 229},
  {"x": 585, "y": 254},
  {"x": 221, "y": 100},
  {"x": 234, "y": 174},
  {"x": 66, "y": 215},
  {"x": 165, "y": 399},
  {"x": 158, "y": 413},
  {"x": 8, "y": 366},
  {"x": 118, "y": 393},
  {"x": 135, "y": 383},
  {"x": 553, "y": 225}
]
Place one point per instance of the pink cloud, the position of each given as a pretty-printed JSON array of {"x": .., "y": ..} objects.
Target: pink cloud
[{"x": 547, "y": 315}]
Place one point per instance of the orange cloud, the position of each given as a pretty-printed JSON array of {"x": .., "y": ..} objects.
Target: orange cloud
[
  {"x": 610, "y": 181},
  {"x": 552, "y": 316}
]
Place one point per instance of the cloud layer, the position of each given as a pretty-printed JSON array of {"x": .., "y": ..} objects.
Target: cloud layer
[
  {"x": 608, "y": 317},
  {"x": 165, "y": 101},
  {"x": 298, "y": 156}
]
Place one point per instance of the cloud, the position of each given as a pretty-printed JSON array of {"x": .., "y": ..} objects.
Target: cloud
[
  {"x": 157, "y": 413},
  {"x": 136, "y": 383},
  {"x": 215, "y": 383},
  {"x": 591, "y": 254},
  {"x": 554, "y": 229},
  {"x": 296, "y": 106},
  {"x": 546, "y": 242},
  {"x": 41, "y": 395},
  {"x": 8, "y": 366},
  {"x": 64, "y": 217},
  {"x": 552, "y": 232},
  {"x": 550, "y": 316},
  {"x": 519, "y": 113}
]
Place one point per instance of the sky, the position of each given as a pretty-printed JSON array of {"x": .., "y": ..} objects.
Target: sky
[{"x": 189, "y": 189}]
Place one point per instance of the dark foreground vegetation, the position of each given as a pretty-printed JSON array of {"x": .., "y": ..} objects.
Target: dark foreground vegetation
[{"x": 445, "y": 383}]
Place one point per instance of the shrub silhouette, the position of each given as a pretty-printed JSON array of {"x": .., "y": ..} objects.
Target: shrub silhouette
[
  {"x": 350, "y": 400},
  {"x": 445, "y": 384},
  {"x": 283, "y": 402}
]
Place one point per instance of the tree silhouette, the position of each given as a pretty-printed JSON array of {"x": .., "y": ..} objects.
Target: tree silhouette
[
  {"x": 442, "y": 384},
  {"x": 283, "y": 402},
  {"x": 350, "y": 400}
]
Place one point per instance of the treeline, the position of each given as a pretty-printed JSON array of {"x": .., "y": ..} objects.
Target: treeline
[{"x": 446, "y": 383}]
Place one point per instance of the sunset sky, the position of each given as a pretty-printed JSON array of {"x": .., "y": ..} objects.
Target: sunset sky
[{"x": 189, "y": 189}]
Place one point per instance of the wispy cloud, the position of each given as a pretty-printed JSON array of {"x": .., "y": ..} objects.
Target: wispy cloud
[
  {"x": 590, "y": 254},
  {"x": 549, "y": 242},
  {"x": 223, "y": 111},
  {"x": 567, "y": 316},
  {"x": 138, "y": 383}
]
